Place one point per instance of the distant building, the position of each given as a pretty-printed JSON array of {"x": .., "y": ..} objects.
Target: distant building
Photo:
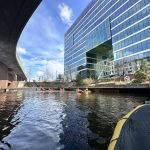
[{"x": 108, "y": 31}]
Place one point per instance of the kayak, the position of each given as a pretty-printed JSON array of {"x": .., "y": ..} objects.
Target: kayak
[
  {"x": 47, "y": 90},
  {"x": 132, "y": 132},
  {"x": 79, "y": 91}
]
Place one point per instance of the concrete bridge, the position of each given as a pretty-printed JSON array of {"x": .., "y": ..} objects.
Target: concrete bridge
[{"x": 14, "y": 15}]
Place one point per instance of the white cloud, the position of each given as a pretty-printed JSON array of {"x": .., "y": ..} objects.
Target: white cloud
[
  {"x": 40, "y": 73},
  {"x": 54, "y": 66},
  {"x": 61, "y": 47},
  {"x": 66, "y": 14},
  {"x": 43, "y": 67},
  {"x": 21, "y": 50},
  {"x": 45, "y": 47},
  {"x": 61, "y": 55},
  {"x": 51, "y": 69}
]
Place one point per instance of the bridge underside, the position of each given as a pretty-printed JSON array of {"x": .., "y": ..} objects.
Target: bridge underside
[{"x": 14, "y": 15}]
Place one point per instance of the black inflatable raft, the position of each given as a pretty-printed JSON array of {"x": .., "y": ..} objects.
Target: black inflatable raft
[{"x": 133, "y": 131}]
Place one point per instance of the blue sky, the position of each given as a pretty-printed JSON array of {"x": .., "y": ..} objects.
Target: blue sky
[{"x": 41, "y": 44}]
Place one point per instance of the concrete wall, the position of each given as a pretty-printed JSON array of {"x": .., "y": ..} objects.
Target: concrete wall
[
  {"x": 4, "y": 84},
  {"x": 16, "y": 84},
  {"x": 12, "y": 76},
  {"x": 21, "y": 84},
  {"x": 3, "y": 76},
  {"x": 3, "y": 72},
  {"x": 8, "y": 78}
]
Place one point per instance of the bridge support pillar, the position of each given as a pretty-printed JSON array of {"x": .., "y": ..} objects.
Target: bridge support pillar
[{"x": 4, "y": 82}]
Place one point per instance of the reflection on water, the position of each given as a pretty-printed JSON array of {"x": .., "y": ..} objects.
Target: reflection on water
[
  {"x": 44, "y": 121},
  {"x": 8, "y": 110}
]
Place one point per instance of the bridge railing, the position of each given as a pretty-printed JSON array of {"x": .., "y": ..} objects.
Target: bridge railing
[{"x": 20, "y": 64}]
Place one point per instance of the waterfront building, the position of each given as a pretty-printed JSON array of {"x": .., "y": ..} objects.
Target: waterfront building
[{"x": 115, "y": 32}]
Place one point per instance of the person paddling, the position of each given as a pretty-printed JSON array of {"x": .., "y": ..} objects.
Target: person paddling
[{"x": 78, "y": 90}]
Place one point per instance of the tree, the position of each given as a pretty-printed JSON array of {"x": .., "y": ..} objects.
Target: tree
[
  {"x": 29, "y": 74},
  {"x": 47, "y": 74},
  {"x": 60, "y": 77},
  {"x": 139, "y": 77},
  {"x": 78, "y": 78},
  {"x": 145, "y": 65}
]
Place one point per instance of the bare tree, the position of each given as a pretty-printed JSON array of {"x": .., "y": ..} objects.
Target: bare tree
[
  {"x": 60, "y": 77},
  {"x": 29, "y": 74},
  {"x": 47, "y": 74}
]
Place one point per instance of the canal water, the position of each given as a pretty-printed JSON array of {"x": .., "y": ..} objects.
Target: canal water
[{"x": 32, "y": 120}]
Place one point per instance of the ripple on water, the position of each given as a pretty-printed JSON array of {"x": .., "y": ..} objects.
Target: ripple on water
[{"x": 44, "y": 121}]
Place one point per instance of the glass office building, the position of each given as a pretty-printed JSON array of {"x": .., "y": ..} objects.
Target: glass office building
[{"x": 114, "y": 30}]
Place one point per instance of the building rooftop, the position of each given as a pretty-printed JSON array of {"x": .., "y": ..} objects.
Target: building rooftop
[{"x": 81, "y": 16}]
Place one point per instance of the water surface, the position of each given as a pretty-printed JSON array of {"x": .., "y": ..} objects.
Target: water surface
[{"x": 32, "y": 120}]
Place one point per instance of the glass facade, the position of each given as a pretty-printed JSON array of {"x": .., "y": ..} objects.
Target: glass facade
[{"x": 117, "y": 27}]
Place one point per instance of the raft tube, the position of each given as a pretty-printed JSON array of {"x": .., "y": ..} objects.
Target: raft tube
[{"x": 132, "y": 132}]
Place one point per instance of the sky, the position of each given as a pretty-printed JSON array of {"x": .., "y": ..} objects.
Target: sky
[{"x": 41, "y": 44}]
